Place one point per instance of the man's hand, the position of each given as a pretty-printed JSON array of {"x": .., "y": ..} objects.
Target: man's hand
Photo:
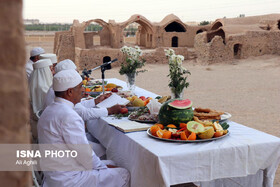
[
  {"x": 116, "y": 109},
  {"x": 102, "y": 98}
]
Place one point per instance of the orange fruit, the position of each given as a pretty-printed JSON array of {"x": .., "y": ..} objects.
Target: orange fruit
[
  {"x": 167, "y": 134},
  {"x": 218, "y": 133},
  {"x": 183, "y": 136},
  {"x": 182, "y": 125},
  {"x": 160, "y": 125},
  {"x": 87, "y": 90},
  {"x": 192, "y": 136},
  {"x": 160, "y": 133},
  {"x": 171, "y": 126},
  {"x": 187, "y": 132},
  {"x": 154, "y": 129},
  {"x": 146, "y": 102}
]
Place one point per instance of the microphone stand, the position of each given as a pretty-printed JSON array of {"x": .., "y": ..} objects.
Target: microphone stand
[
  {"x": 103, "y": 77},
  {"x": 103, "y": 68}
]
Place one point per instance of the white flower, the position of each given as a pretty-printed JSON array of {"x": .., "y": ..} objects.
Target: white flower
[
  {"x": 173, "y": 58},
  {"x": 169, "y": 52},
  {"x": 181, "y": 58}
]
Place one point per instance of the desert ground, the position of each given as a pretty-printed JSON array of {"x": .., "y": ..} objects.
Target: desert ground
[{"x": 249, "y": 89}]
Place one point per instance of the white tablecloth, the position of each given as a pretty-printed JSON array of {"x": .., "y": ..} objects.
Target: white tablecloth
[{"x": 151, "y": 162}]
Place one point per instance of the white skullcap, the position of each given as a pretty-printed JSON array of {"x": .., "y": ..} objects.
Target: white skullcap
[
  {"x": 64, "y": 65},
  {"x": 42, "y": 63},
  {"x": 66, "y": 79},
  {"x": 37, "y": 51},
  {"x": 50, "y": 56}
]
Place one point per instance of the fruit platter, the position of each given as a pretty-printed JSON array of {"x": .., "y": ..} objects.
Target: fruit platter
[
  {"x": 136, "y": 102},
  {"x": 95, "y": 82},
  {"x": 96, "y": 90},
  {"x": 143, "y": 115},
  {"x": 179, "y": 122},
  {"x": 190, "y": 132}
]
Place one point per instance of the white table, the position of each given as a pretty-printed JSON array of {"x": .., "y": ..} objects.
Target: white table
[{"x": 245, "y": 151}]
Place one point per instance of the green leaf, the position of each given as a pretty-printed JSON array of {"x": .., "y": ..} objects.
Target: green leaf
[{"x": 225, "y": 125}]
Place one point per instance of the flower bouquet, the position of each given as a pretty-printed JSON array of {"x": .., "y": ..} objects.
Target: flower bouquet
[
  {"x": 177, "y": 73},
  {"x": 132, "y": 61}
]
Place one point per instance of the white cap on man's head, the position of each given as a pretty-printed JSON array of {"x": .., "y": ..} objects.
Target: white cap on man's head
[
  {"x": 42, "y": 63},
  {"x": 66, "y": 79},
  {"x": 37, "y": 51},
  {"x": 50, "y": 56},
  {"x": 64, "y": 65}
]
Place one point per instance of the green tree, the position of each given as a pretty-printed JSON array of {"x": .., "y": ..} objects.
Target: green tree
[{"x": 204, "y": 23}]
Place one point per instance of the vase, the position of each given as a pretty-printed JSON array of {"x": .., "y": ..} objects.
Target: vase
[
  {"x": 176, "y": 95},
  {"x": 130, "y": 80}
]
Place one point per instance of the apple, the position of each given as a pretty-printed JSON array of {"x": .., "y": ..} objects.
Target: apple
[
  {"x": 114, "y": 90},
  {"x": 124, "y": 110},
  {"x": 143, "y": 98}
]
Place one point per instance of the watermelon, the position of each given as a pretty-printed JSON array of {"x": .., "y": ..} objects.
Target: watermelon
[
  {"x": 181, "y": 104},
  {"x": 170, "y": 115}
]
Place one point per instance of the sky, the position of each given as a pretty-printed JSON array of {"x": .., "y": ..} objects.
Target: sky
[{"x": 65, "y": 11}]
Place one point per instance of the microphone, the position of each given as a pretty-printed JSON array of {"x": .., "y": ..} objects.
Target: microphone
[{"x": 107, "y": 63}]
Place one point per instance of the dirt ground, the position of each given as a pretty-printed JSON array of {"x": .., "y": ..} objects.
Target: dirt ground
[{"x": 249, "y": 89}]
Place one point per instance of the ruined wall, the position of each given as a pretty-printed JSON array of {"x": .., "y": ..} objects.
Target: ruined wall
[
  {"x": 64, "y": 46},
  {"x": 185, "y": 39},
  {"x": 167, "y": 39},
  {"x": 89, "y": 39},
  {"x": 273, "y": 42},
  {"x": 150, "y": 36},
  {"x": 13, "y": 91},
  {"x": 257, "y": 43},
  {"x": 157, "y": 56},
  {"x": 212, "y": 52},
  {"x": 238, "y": 46},
  {"x": 90, "y": 58},
  {"x": 224, "y": 43},
  {"x": 105, "y": 37},
  {"x": 192, "y": 32}
]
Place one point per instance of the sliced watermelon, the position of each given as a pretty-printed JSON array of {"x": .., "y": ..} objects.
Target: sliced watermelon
[{"x": 181, "y": 104}]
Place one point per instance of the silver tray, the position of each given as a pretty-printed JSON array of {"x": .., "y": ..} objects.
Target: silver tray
[
  {"x": 225, "y": 117},
  {"x": 186, "y": 141},
  {"x": 132, "y": 108}
]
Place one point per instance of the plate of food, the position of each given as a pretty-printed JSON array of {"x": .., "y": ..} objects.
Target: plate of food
[
  {"x": 186, "y": 141},
  {"x": 189, "y": 133},
  {"x": 143, "y": 115},
  {"x": 207, "y": 114},
  {"x": 225, "y": 116},
  {"x": 95, "y": 83}
]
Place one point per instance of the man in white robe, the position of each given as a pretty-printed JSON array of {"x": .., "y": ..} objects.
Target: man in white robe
[
  {"x": 62, "y": 65},
  {"x": 60, "y": 124},
  {"x": 52, "y": 57},
  {"x": 40, "y": 82},
  {"x": 34, "y": 57},
  {"x": 86, "y": 109}
]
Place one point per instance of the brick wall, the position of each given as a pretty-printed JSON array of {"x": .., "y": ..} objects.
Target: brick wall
[{"x": 13, "y": 90}]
